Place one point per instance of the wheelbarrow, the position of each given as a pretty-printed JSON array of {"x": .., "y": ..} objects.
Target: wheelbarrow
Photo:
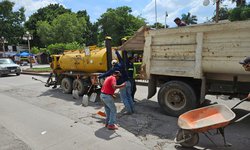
[{"x": 202, "y": 120}]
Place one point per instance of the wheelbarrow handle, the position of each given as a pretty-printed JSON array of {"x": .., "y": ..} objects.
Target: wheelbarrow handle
[
  {"x": 241, "y": 118},
  {"x": 241, "y": 101}
]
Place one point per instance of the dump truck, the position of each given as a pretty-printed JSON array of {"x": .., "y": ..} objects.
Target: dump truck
[
  {"x": 187, "y": 63},
  {"x": 79, "y": 69}
]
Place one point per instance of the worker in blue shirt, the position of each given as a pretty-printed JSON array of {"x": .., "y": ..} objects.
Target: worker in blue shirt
[
  {"x": 131, "y": 72},
  {"x": 125, "y": 93}
]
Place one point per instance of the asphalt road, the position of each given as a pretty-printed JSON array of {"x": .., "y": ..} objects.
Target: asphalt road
[{"x": 35, "y": 117}]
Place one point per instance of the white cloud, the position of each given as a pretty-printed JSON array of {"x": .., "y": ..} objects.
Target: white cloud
[
  {"x": 176, "y": 8},
  {"x": 32, "y": 6}
]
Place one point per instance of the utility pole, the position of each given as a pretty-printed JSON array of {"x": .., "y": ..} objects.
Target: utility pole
[
  {"x": 156, "y": 15},
  {"x": 166, "y": 15},
  {"x": 217, "y": 10}
]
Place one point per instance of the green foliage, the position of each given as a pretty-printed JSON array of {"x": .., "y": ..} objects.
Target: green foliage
[
  {"x": 44, "y": 30},
  {"x": 245, "y": 13},
  {"x": 48, "y": 14},
  {"x": 45, "y": 69},
  {"x": 189, "y": 19},
  {"x": 159, "y": 25},
  {"x": 59, "y": 48},
  {"x": 44, "y": 50},
  {"x": 234, "y": 14},
  {"x": 239, "y": 3},
  {"x": 239, "y": 13},
  {"x": 35, "y": 50},
  {"x": 90, "y": 33},
  {"x": 223, "y": 14},
  {"x": 73, "y": 46},
  {"x": 65, "y": 28},
  {"x": 11, "y": 27},
  {"x": 118, "y": 23}
]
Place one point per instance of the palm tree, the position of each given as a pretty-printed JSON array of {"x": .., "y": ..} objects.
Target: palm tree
[{"x": 189, "y": 19}]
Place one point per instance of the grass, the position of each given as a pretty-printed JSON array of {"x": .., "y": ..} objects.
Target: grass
[{"x": 46, "y": 69}]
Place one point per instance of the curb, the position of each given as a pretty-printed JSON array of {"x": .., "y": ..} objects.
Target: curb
[{"x": 35, "y": 73}]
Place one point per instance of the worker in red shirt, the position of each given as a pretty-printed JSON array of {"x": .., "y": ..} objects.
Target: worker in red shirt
[{"x": 107, "y": 92}]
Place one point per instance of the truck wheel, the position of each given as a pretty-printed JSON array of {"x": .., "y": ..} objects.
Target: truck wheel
[
  {"x": 79, "y": 86},
  {"x": 66, "y": 85},
  {"x": 176, "y": 97}
]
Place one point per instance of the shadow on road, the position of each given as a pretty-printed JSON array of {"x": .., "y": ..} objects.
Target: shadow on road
[{"x": 106, "y": 134}]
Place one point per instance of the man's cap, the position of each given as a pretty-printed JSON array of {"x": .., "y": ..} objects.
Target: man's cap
[
  {"x": 114, "y": 61},
  {"x": 177, "y": 19},
  {"x": 118, "y": 73},
  {"x": 245, "y": 61}
]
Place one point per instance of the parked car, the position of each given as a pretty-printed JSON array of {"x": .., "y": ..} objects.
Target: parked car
[{"x": 7, "y": 66}]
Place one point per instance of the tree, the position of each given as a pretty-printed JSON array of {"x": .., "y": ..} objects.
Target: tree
[
  {"x": 90, "y": 33},
  {"x": 48, "y": 14},
  {"x": 65, "y": 28},
  {"x": 239, "y": 2},
  {"x": 189, "y": 19},
  {"x": 159, "y": 25},
  {"x": 11, "y": 27},
  {"x": 239, "y": 13},
  {"x": 118, "y": 23},
  {"x": 223, "y": 14}
]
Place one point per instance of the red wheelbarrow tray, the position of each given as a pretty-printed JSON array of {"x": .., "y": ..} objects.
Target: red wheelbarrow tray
[{"x": 206, "y": 118}]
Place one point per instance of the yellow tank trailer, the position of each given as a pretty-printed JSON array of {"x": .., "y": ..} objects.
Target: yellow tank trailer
[{"x": 79, "y": 69}]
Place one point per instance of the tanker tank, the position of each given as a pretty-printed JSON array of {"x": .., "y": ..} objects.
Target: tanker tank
[{"x": 78, "y": 61}]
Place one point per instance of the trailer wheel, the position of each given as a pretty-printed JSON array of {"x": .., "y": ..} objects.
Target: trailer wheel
[
  {"x": 79, "y": 86},
  {"x": 176, "y": 97},
  {"x": 66, "y": 85}
]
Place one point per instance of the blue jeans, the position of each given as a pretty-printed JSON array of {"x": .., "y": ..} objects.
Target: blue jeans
[
  {"x": 110, "y": 108},
  {"x": 125, "y": 94}
]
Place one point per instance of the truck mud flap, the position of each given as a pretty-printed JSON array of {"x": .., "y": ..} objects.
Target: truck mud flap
[{"x": 151, "y": 87}]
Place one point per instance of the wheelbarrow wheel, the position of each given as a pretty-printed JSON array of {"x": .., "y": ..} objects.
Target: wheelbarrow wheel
[{"x": 187, "y": 138}]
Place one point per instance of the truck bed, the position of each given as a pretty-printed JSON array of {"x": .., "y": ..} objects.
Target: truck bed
[{"x": 193, "y": 51}]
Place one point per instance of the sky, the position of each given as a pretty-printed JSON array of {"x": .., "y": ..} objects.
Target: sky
[{"x": 143, "y": 8}]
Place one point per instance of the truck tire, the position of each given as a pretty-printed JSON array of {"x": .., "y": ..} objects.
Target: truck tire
[
  {"x": 79, "y": 86},
  {"x": 176, "y": 97},
  {"x": 66, "y": 85}
]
